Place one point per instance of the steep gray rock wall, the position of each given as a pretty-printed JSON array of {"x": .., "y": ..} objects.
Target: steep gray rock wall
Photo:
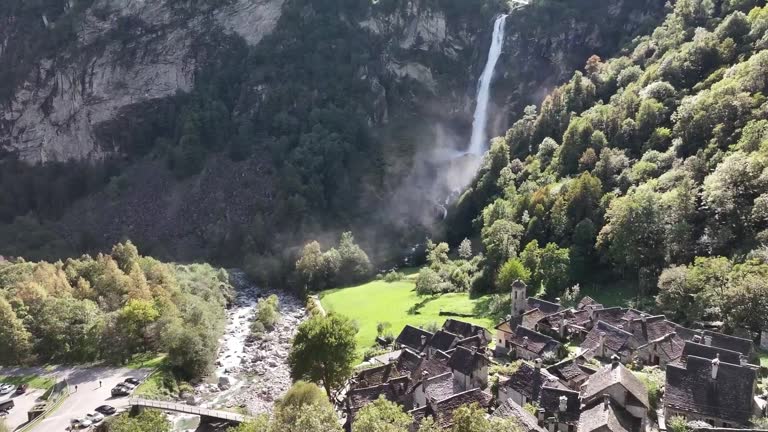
[{"x": 59, "y": 112}]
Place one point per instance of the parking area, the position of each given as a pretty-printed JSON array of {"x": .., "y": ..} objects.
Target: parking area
[
  {"x": 17, "y": 416},
  {"x": 86, "y": 394}
]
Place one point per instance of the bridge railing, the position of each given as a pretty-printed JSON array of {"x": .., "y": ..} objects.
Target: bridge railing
[{"x": 187, "y": 409}]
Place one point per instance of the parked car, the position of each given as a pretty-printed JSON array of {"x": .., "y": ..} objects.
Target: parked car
[
  {"x": 80, "y": 423},
  {"x": 106, "y": 410},
  {"x": 94, "y": 417},
  {"x": 6, "y": 388},
  {"x": 7, "y": 405},
  {"x": 132, "y": 381},
  {"x": 127, "y": 385},
  {"x": 121, "y": 390},
  {"x": 21, "y": 389}
]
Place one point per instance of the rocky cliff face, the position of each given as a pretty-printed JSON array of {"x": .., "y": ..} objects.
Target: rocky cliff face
[{"x": 127, "y": 53}]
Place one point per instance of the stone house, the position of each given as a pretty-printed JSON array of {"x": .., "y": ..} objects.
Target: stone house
[
  {"x": 608, "y": 416},
  {"x": 526, "y": 420},
  {"x": 469, "y": 368},
  {"x": 525, "y": 384},
  {"x": 414, "y": 338},
  {"x": 442, "y": 410},
  {"x": 441, "y": 341},
  {"x": 718, "y": 393},
  {"x": 710, "y": 353},
  {"x": 605, "y": 341},
  {"x": 559, "y": 409},
  {"x": 529, "y": 345},
  {"x": 572, "y": 372},
  {"x": 621, "y": 385},
  {"x": 465, "y": 330},
  {"x": 566, "y": 325},
  {"x": 546, "y": 307},
  {"x": 431, "y": 388}
]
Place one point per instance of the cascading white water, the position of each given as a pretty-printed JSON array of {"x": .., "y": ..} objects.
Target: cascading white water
[{"x": 477, "y": 145}]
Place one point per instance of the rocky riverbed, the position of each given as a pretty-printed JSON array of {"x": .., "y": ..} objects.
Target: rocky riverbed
[{"x": 252, "y": 372}]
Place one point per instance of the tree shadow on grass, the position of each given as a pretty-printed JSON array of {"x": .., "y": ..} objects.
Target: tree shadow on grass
[{"x": 493, "y": 307}]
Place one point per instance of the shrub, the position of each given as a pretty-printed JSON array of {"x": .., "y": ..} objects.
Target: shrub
[{"x": 393, "y": 276}]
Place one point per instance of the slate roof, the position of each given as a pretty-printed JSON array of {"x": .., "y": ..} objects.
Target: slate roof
[
  {"x": 616, "y": 339},
  {"x": 537, "y": 343},
  {"x": 465, "y": 329},
  {"x": 609, "y": 375},
  {"x": 377, "y": 375},
  {"x": 361, "y": 397},
  {"x": 567, "y": 317},
  {"x": 412, "y": 364},
  {"x": 443, "y": 409},
  {"x": 508, "y": 325},
  {"x": 608, "y": 417},
  {"x": 733, "y": 343},
  {"x": 550, "y": 401},
  {"x": 613, "y": 316},
  {"x": 588, "y": 301},
  {"x": 710, "y": 353},
  {"x": 509, "y": 409},
  {"x": 443, "y": 340},
  {"x": 653, "y": 328},
  {"x": 532, "y": 317},
  {"x": 465, "y": 360},
  {"x": 438, "y": 387},
  {"x": 570, "y": 369},
  {"x": 411, "y": 337},
  {"x": 544, "y": 306},
  {"x": 728, "y": 397},
  {"x": 528, "y": 381},
  {"x": 472, "y": 342}
]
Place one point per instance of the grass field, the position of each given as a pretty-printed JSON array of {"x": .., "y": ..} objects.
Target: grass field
[
  {"x": 763, "y": 355},
  {"x": 379, "y": 301},
  {"x": 34, "y": 381}
]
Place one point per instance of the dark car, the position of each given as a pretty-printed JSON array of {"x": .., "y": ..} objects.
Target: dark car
[
  {"x": 121, "y": 390},
  {"x": 133, "y": 381},
  {"x": 106, "y": 410},
  {"x": 7, "y": 405},
  {"x": 21, "y": 389}
]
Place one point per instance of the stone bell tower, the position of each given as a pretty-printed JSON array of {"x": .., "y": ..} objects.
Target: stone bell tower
[{"x": 518, "y": 298}]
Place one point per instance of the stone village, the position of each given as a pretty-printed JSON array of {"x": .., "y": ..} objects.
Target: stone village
[{"x": 573, "y": 370}]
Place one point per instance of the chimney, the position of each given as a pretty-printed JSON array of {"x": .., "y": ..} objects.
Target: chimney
[
  {"x": 423, "y": 340},
  {"x": 715, "y": 366},
  {"x": 743, "y": 360},
  {"x": 557, "y": 300},
  {"x": 537, "y": 363},
  {"x": 620, "y": 326},
  {"x": 606, "y": 400},
  {"x": 563, "y": 403},
  {"x": 551, "y": 423},
  {"x": 601, "y": 344},
  {"x": 525, "y": 341},
  {"x": 540, "y": 415},
  {"x": 424, "y": 378},
  {"x": 708, "y": 340},
  {"x": 508, "y": 318},
  {"x": 614, "y": 361},
  {"x": 423, "y": 355},
  {"x": 643, "y": 318},
  {"x": 697, "y": 338}
]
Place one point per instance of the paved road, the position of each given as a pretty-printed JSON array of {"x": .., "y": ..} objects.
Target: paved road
[
  {"x": 22, "y": 404},
  {"x": 88, "y": 394}
]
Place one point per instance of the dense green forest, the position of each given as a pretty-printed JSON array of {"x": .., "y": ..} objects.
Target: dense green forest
[
  {"x": 111, "y": 307},
  {"x": 649, "y": 168}
]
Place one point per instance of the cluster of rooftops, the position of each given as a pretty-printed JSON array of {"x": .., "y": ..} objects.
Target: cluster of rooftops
[{"x": 711, "y": 380}]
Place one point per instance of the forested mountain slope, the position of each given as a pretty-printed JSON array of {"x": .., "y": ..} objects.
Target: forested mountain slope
[
  {"x": 206, "y": 128},
  {"x": 648, "y": 168}
]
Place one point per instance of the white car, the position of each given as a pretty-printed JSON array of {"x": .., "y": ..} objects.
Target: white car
[
  {"x": 94, "y": 417},
  {"x": 6, "y": 388},
  {"x": 81, "y": 423}
]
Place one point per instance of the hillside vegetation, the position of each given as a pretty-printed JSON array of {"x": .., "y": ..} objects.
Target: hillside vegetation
[
  {"x": 111, "y": 307},
  {"x": 649, "y": 168}
]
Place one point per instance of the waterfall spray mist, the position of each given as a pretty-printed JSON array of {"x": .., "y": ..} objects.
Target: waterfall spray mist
[{"x": 478, "y": 143}]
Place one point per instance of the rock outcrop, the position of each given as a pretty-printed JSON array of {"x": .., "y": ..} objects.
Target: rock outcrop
[{"x": 128, "y": 53}]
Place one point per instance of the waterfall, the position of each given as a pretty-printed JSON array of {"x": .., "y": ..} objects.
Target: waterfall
[{"x": 477, "y": 144}]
